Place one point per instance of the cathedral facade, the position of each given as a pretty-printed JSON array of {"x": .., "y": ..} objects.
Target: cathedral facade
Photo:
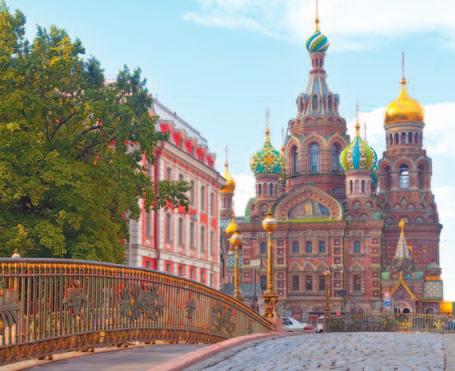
[{"x": 362, "y": 229}]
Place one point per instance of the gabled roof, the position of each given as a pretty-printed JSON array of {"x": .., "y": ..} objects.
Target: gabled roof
[{"x": 402, "y": 283}]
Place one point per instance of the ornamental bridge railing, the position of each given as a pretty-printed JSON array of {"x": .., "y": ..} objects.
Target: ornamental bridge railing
[
  {"x": 379, "y": 322},
  {"x": 49, "y": 306}
]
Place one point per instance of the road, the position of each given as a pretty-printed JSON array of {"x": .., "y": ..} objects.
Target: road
[{"x": 133, "y": 359}]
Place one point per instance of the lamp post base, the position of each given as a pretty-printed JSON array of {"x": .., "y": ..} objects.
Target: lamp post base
[{"x": 270, "y": 304}]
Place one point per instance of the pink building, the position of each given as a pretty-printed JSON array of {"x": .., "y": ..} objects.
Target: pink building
[{"x": 171, "y": 240}]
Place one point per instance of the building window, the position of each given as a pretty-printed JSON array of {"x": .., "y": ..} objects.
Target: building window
[
  {"x": 202, "y": 198},
  {"x": 421, "y": 177},
  {"x": 294, "y": 159},
  {"x": 351, "y": 186},
  {"x": 192, "y": 275},
  {"x": 295, "y": 283},
  {"x": 387, "y": 179},
  {"x": 271, "y": 190},
  {"x": 309, "y": 283},
  {"x": 168, "y": 267},
  {"x": 192, "y": 235},
  {"x": 148, "y": 223},
  {"x": 168, "y": 228},
  {"x": 202, "y": 238},
  {"x": 181, "y": 274},
  {"x": 168, "y": 173},
  {"x": 357, "y": 284},
  {"x": 322, "y": 247},
  {"x": 295, "y": 247},
  {"x": 263, "y": 248},
  {"x": 314, "y": 158},
  {"x": 363, "y": 185},
  {"x": 181, "y": 178},
  {"x": 309, "y": 247},
  {"x": 192, "y": 192},
  {"x": 203, "y": 276},
  {"x": 356, "y": 247},
  {"x": 336, "y": 149},
  {"x": 212, "y": 242},
  {"x": 259, "y": 189},
  {"x": 212, "y": 204},
  {"x": 147, "y": 264},
  {"x": 180, "y": 231},
  {"x": 322, "y": 283},
  {"x": 404, "y": 176},
  {"x": 315, "y": 102}
]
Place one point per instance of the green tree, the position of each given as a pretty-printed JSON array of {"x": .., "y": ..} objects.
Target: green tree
[{"x": 74, "y": 149}]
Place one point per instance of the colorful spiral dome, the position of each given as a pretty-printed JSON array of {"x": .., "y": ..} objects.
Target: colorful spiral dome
[
  {"x": 267, "y": 160},
  {"x": 317, "y": 42},
  {"x": 358, "y": 155}
]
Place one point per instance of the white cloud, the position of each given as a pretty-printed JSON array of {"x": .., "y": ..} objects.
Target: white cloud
[{"x": 348, "y": 22}]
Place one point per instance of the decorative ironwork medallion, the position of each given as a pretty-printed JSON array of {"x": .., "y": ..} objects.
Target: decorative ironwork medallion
[
  {"x": 222, "y": 319},
  {"x": 9, "y": 307},
  {"x": 137, "y": 300},
  {"x": 75, "y": 299},
  {"x": 190, "y": 308}
]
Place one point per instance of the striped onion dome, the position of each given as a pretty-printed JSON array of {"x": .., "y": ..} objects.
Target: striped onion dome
[
  {"x": 358, "y": 155},
  {"x": 317, "y": 42}
]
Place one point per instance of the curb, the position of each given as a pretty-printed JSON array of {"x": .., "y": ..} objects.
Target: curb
[{"x": 207, "y": 352}]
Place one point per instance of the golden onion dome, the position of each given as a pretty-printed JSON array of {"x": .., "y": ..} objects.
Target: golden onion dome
[
  {"x": 404, "y": 108},
  {"x": 232, "y": 227},
  {"x": 229, "y": 187}
]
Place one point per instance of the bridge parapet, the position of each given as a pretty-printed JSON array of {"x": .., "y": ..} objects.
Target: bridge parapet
[{"x": 49, "y": 306}]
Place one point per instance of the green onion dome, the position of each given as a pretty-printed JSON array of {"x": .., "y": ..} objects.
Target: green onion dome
[
  {"x": 267, "y": 160},
  {"x": 358, "y": 155},
  {"x": 317, "y": 42}
]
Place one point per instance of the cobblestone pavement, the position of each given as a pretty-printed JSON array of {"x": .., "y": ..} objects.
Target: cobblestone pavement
[{"x": 337, "y": 351}]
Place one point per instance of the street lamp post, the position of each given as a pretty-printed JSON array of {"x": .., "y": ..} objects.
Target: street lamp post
[
  {"x": 236, "y": 242},
  {"x": 270, "y": 297},
  {"x": 327, "y": 310}
]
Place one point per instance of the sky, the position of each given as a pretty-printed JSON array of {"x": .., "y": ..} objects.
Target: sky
[{"x": 221, "y": 63}]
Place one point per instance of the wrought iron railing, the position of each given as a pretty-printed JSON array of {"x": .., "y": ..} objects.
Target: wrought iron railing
[
  {"x": 391, "y": 322},
  {"x": 49, "y": 306}
]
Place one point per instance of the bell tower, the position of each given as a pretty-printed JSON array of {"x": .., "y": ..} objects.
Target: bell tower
[{"x": 405, "y": 180}]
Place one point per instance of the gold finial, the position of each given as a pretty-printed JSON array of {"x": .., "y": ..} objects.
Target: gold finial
[
  {"x": 226, "y": 152},
  {"x": 316, "y": 21},
  {"x": 357, "y": 122},
  {"x": 267, "y": 128},
  {"x": 401, "y": 224}
]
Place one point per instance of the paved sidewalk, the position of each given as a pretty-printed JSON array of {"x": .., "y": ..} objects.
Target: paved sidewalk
[{"x": 135, "y": 359}]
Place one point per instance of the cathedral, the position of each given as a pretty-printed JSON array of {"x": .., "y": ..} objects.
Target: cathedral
[{"x": 359, "y": 232}]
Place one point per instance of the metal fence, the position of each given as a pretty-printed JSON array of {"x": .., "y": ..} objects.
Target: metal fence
[
  {"x": 391, "y": 322},
  {"x": 50, "y": 305}
]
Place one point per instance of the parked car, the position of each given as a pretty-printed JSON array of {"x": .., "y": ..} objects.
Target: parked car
[{"x": 291, "y": 324}]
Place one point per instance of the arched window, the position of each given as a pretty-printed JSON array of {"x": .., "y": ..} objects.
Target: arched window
[
  {"x": 315, "y": 102},
  {"x": 202, "y": 245},
  {"x": 396, "y": 138},
  {"x": 390, "y": 139},
  {"x": 363, "y": 186},
  {"x": 421, "y": 177},
  {"x": 314, "y": 158},
  {"x": 336, "y": 157},
  {"x": 403, "y": 138},
  {"x": 387, "y": 179},
  {"x": 404, "y": 176},
  {"x": 294, "y": 159},
  {"x": 259, "y": 189},
  {"x": 416, "y": 138},
  {"x": 409, "y": 138},
  {"x": 271, "y": 190},
  {"x": 351, "y": 186}
]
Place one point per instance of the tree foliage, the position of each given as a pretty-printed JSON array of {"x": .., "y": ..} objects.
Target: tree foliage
[{"x": 74, "y": 149}]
